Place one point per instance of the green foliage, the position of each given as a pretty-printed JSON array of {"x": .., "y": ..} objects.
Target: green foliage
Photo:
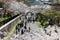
[
  {"x": 22, "y": 0},
  {"x": 1, "y": 4},
  {"x": 39, "y": 24},
  {"x": 10, "y": 14},
  {"x": 58, "y": 1},
  {"x": 53, "y": 15},
  {"x": 1, "y": 19},
  {"x": 42, "y": 19}
]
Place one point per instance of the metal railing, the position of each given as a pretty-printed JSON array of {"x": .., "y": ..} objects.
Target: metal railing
[
  {"x": 7, "y": 20},
  {"x": 5, "y": 29}
]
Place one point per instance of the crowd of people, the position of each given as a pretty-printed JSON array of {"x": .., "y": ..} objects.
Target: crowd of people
[{"x": 25, "y": 20}]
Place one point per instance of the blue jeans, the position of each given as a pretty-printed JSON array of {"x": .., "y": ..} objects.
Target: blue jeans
[{"x": 16, "y": 31}]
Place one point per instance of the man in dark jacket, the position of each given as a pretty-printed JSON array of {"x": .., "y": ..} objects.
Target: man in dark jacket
[{"x": 18, "y": 28}]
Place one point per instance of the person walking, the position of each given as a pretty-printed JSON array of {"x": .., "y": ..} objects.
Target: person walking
[
  {"x": 16, "y": 30},
  {"x": 22, "y": 32},
  {"x": 29, "y": 29},
  {"x": 18, "y": 27},
  {"x": 21, "y": 24},
  {"x": 25, "y": 25}
]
